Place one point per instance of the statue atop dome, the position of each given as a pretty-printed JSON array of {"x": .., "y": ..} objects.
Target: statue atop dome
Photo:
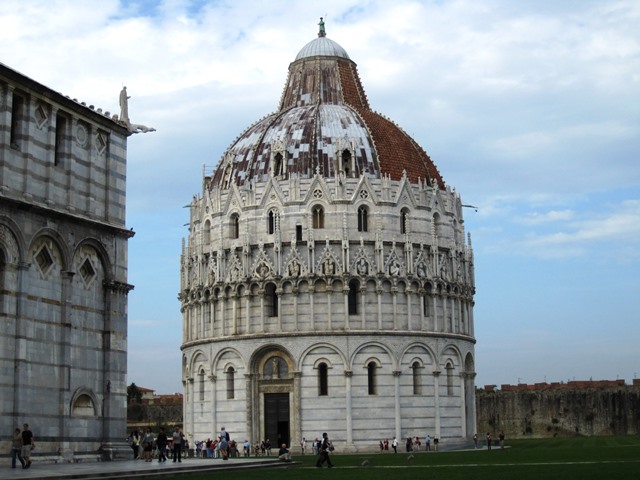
[{"x": 322, "y": 32}]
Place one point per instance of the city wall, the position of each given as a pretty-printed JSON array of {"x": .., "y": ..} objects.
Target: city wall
[{"x": 560, "y": 409}]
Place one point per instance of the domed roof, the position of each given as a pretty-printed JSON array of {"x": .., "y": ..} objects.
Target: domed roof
[
  {"x": 324, "y": 125},
  {"x": 322, "y": 47}
]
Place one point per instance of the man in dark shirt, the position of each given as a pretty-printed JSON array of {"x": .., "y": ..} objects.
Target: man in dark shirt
[
  {"x": 28, "y": 443},
  {"x": 161, "y": 443},
  {"x": 324, "y": 452},
  {"x": 283, "y": 453}
]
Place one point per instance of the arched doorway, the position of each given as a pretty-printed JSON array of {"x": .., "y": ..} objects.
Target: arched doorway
[{"x": 275, "y": 396}]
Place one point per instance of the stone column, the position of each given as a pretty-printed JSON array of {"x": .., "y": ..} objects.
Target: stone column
[
  {"x": 214, "y": 398},
  {"x": 296, "y": 407},
  {"x": 394, "y": 298},
  {"x": 64, "y": 364},
  {"x": 463, "y": 412},
  {"x": 363, "y": 303},
  {"x": 114, "y": 426},
  {"x": 436, "y": 396},
  {"x": 379, "y": 293},
  {"x": 398, "y": 417},
  {"x": 294, "y": 292},
  {"x": 247, "y": 310},
  {"x": 349, "y": 406},
  {"x": 408, "y": 296}
]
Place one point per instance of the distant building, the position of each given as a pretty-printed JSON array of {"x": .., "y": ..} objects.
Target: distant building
[
  {"x": 155, "y": 410},
  {"x": 63, "y": 272},
  {"x": 327, "y": 284}
]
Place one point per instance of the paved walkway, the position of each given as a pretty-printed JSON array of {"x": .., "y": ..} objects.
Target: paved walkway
[{"x": 131, "y": 469}]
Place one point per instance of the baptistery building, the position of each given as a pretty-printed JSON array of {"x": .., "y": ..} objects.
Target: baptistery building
[{"x": 327, "y": 284}]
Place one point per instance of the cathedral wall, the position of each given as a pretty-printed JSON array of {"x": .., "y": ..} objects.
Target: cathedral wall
[{"x": 63, "y": 272}]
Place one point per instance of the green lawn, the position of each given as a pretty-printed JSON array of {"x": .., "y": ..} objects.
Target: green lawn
[{"x": 583, "y": 458}]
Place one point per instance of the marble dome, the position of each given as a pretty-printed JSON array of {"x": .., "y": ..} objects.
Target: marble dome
[{"x": 324, "y": 124}]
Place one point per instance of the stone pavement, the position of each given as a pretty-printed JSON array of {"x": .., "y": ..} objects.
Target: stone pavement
[{"x": 132, "y": 469}]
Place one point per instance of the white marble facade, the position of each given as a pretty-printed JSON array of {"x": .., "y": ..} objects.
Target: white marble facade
[
  {"x": 63, "y": 273},
  {"x": 327, "y": 282}
]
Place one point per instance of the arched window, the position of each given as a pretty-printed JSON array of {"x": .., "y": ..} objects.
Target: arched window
[
  {"x": 201, "y": 385},
  {"x": 449, "y": 369},
  {"x": 352, "y": 298},
  {"x": 318, "y": 216},
  {"x": 272, "y": 221},
  {"x": 404, "y": 219},
  {"x": 346, "y": 162},
  {"x": 277, "y": 164},
  {"x": 235, "y": 226},
  {"x": 363, "y": 219},
  {"x": 437, "y": 227},
  {"x": 83, "y": 407},
  {"x": 323, "y": 379},
  {"x": 417, "y": 378},
  {"x": 371, "y": 378},
  {"x": 271, "y": 300},
  {"x": 207, "y": 233},
  {"x": 230, "y": 383}
]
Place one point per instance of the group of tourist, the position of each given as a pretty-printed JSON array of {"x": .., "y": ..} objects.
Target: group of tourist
[
  {"x": 489, "y": 439},
  {"x": 411, "y": 445},
  {"x": 146, "y": 445},
  {"x": 22, "y": 444}
]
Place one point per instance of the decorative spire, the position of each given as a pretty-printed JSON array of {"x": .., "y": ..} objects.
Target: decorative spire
[{"x": 321, "y": 32}]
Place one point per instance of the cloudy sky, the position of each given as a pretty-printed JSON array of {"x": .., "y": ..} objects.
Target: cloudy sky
[{"x": 530, "y": 109}]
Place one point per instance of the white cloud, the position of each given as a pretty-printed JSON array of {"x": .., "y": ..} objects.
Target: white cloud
[{"x": 551, "y": 216}]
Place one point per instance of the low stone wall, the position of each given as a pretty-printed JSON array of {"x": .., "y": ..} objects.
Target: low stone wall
[{"x": 550, "y": 410}]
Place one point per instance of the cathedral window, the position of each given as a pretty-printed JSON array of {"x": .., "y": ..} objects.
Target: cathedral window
[
  {"x": 437, "y": 227},
  {"x": 317, "y": 214},
  {"x": 346, "y": 162},
  {"x": 272, "y": 221},
  {"x": 61, "y": 138},
  {"x": 230, "y": 374},
  {"x": 449, "y": 369},
  {"x": 323, "y": 379},
  {"x": 363, "y": 219},
  {"x": 417, "y": 378},
  {"x": 353, "y": 297},
  {"x": 17, "y": 120},
  {"x": 201, "y": 385},
  {"x": 298, "y": 233},
  {"x": 371, "y": 378},
  {"x": 271, "y": 300},
  {"x": 404, "y": 219},
  {"x": 277, "y": 164},
  {"x": 235, "y": 226}
]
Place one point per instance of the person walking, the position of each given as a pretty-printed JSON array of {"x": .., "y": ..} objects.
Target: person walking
[
  {"x": 135, "y": 444},
  {"x": 394, "y": 445},
  {"x": 147, "y": 445},
  {"x": 324, "y": 448},
  {"x": 28, "y": 444},
  {"x": 177, "y": 445},
  {"x": 161, "y": 443},
  {"x": 16, "y": 448},
  {"x": 501, "y": 438}
]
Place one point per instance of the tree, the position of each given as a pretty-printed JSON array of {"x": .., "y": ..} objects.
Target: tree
[{"x": 134, "y": 394}]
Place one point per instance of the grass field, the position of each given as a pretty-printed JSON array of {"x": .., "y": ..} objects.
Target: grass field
[{"x": 583, "y": 458}]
